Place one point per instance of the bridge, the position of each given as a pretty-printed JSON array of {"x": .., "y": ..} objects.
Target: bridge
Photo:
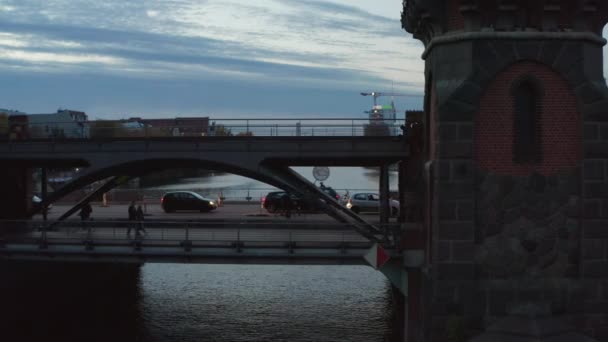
[
  {"x": 225, "y": 241},
  {"x": 264, "y": 158}
]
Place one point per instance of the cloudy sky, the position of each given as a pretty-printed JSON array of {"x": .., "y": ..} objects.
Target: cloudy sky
[{"x": 222, "y": 58}]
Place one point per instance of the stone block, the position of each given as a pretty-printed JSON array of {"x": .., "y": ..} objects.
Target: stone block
[
  {"x": 499, "y": 301},
  {"x": 604, "y": 131},
  {"x": 591, "y": 132},
  {"x": 463, "y": 251},
  {"x": 448, "y": 131},
  {"x": 589, "y": 93},
  {"x": 593, "y": 249},
  {"x": 465, "y": 131},
  {"x": 444, "y": 253},
  {"x": 442, "y": 170},
  {"x": 457, "y": 230},
  {"x": 595, "y": 229},
  {"x": 447, "y": 209},
  {"x": 455, "y": 271},
  {"x": 455, "y": 189},
  {"x": 456, "y": 111},
  {"x": 569, "y": 58},
  {"x": 592, "y": 209},
  {"x": 463, "y": 170},
  {"x": 465, "y": 210},
  {"x": 595, "y": 269},
  {"x": 596, "y": 190},
  {"x": 527, "y": 50},
  {"x": 596, "y": 307},
  {"x": 596, "y": 112},
  {"x": 594, "y": 169},
  {"x": 549, "y": 51},
  {"x": 468, "y": 92}
]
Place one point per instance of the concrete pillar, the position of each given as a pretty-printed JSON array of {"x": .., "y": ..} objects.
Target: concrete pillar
[
  {"x": 16, "y": 185},
  {"x": 43, "y": 190},
  {"x": 385, "y": 209}
]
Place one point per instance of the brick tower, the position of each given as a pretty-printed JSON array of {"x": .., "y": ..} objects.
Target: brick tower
[{"x": 516, "y": 141}]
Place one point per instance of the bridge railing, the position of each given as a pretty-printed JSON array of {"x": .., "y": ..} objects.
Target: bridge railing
[
  {"x": 205, "y": 127},
  {"x": 180, "y": 233}
]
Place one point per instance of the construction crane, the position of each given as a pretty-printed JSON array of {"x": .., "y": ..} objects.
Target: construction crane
[{"x": 376, "y": 94}]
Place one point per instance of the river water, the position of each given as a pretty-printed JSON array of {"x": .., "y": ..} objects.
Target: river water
[{"x": 182, "y": 302}]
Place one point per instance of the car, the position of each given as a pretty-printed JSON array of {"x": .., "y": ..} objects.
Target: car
[
  {"x": 273, "y": 203},
  {"x": 331, "y": 192},
  {"x": 369, "y": 202},
  {"x": 36, "y": 201},
  {"x": 186, "y": 200}
]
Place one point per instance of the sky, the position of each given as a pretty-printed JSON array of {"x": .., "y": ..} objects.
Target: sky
[{"x": 219, "y": 58}]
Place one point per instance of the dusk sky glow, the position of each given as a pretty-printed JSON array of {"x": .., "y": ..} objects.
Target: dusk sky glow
[
  {"x": 218, "y": 58},
  {"x": 153, "y": 58}
]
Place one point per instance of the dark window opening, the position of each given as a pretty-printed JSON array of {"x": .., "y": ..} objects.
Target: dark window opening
[{"x": 527, "y": 123}]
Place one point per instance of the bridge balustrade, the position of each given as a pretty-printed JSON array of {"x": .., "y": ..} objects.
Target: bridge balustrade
[{"x": 101, "y": 129}]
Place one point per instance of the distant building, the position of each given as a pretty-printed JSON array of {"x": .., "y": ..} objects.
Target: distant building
[
  {"x": 64, "y": 124},
  {"x": 182, "y": 127},
  {"x": 383, "y": 120}
]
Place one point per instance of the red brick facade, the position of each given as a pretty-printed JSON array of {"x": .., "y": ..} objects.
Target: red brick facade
[
  {"x": 455, "y": 19},
  {"x": 560, "y": 120}
]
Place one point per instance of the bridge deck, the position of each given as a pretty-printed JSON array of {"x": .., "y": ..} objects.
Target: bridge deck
[{"x": 189, "y": 245}]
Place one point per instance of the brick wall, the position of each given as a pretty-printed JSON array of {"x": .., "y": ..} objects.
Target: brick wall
[
  {"x": 455, "y": 19},
  {"x": 560, "y": 121}
]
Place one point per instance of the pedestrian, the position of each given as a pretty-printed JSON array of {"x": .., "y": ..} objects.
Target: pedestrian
[
  {"x": 140, "y": 218},
  {"x": 85, "y": 214},
  {"x": 286, "y": 204},
  {"x": 132, "y": 218}
]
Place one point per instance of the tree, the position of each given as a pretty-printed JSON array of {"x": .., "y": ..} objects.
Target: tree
[
  {"x": 221, "y": 131},
  {"x": 107, "y": 129}
]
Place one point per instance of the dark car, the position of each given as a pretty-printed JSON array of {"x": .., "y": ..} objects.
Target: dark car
[
  {"x": 186, "y": 200},
  {"x": 37, "y": 201},
  {"x": 273, "y": 201}
]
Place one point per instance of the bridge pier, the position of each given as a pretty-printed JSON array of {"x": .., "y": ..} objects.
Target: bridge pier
[
  {"x": 385, "y": 208},
  {"x": 516, "y": 189},
  {"x": 16, "y": 186}
]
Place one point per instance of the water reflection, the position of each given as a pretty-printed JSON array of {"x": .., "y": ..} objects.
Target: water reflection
[{"x": 162, "y": 302}]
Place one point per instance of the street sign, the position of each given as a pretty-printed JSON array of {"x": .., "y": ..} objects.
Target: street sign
[
  {"x": 377, "y": 256},
  {"x": 320, "y": 173}
]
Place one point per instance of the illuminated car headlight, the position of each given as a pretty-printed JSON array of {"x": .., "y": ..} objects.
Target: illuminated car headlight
[
  {"x": 349, "y": 205},
  {"x": 211, "y": 203}
]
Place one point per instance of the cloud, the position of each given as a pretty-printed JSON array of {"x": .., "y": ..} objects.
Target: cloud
[{"x": 293, "y": 45}]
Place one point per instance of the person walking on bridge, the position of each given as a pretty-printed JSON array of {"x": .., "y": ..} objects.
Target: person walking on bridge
[
  {"x": 139, "y": 216},
  {"x": 85, "y": 214},
  {"x": 132, "y": 218}
]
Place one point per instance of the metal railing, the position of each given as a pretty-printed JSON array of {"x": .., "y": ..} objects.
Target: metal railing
[
  {"x": 174, "y": 233},
  {"x": 151, "y": 128}
]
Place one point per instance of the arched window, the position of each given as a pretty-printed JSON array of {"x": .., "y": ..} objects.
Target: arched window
[{"x": 527, "y": 144}]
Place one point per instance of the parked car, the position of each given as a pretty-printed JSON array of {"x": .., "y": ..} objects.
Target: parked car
[
  {"x": 36, "y": 201},
  {"x": 186, "y": 200},
  {"x": 273, "y": 202},
  {"x": 369, "y": 202}
]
